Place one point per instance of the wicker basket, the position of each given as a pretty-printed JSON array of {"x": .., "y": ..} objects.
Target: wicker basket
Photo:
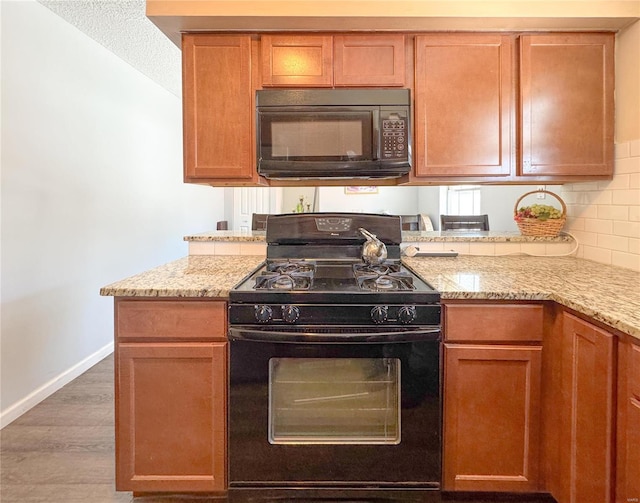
[{"x": 536, "y": 227}]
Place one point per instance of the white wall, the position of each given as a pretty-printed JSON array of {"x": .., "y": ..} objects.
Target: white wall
[
  {"x": 391, "y": 200},
  {"x": 91, "y": 192}
]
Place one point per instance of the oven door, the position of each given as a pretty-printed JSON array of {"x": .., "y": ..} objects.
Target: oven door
[{"x": 311, "y": 409}]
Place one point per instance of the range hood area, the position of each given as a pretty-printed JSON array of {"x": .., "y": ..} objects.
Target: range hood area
[{"x": 174, "y": 17}]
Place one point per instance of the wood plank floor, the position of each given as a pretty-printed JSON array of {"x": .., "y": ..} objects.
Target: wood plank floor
[{"x": 62, "y": 450}]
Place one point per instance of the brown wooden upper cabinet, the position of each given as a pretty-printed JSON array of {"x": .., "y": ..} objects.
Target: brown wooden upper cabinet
[
  {"x": 332, "y": 61},
  {"x": 567, "y": 115},
  {"x": 464, "y": 105},
  {"x": 218, "y": 109},
  {"x": 484, "y": 111}
]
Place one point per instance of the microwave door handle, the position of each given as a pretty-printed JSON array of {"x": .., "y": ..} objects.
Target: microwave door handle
[{"x": 376, "y": 135}]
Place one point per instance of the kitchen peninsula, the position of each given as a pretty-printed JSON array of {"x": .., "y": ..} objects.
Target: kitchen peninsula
[
  {"x": 477, "y": 243},
  {"x": 558, "y": 336}
]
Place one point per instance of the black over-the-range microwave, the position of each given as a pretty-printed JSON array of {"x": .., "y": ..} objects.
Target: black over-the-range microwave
[{"x": 333, "y": 133}]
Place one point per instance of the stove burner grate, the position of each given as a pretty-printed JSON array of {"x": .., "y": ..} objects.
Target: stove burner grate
[
  {"x": 382, "y": 277},
  {"x": 291, "y": 266},
  {"x": 287, "y": 275}
]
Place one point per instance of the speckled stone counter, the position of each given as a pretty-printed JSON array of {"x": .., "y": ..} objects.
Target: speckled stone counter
[
  {"x": 250, "y": 236},
  {"x": 605, "y": 293},
  {"x": 193, "y": 276},
  {"x": 475, "y": 236},
  {"x": 407, "y": 237}
]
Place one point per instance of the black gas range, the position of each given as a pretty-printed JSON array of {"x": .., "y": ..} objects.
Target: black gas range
[
  {"x": 314, "y": 273},
  {"x": 334, "y": 366}
]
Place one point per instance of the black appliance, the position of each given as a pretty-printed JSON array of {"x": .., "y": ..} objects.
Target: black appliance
[
  {"x": 333, "y": 133},
  {"x": 334, "y": 364}
]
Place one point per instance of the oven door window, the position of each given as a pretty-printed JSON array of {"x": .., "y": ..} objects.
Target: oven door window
[
  {"x": 317, "y": 136},
  {"x": 334, "y": 401}
]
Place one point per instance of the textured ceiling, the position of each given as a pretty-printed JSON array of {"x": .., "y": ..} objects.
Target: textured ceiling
[{"x": 123, "y": 28}]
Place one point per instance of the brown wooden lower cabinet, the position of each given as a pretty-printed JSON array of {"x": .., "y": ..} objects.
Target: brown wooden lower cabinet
[
  {"x": 628, "y": 427},
  {"x": 491, "y": 417},
  {"x": 171, "y": 395},
  {"x": 587, "y": 413},
  {"x": 170, "y": 426},
  {"x": 513, "y": 420}
]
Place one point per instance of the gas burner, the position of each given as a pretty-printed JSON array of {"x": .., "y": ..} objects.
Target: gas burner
[
  {"x": 277, "y": 281},
  {"x": 383, "y": 277},
  {"x": 385, "y": 283}
]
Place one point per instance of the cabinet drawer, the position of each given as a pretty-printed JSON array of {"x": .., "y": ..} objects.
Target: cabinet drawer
[
  {"x": 493, "y": 322},
  {"x": 182, "y": 320},
  {"x": 634, "y": 371}
]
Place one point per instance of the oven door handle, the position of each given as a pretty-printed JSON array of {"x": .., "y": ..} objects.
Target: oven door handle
[{"x": 242, "y": 333}]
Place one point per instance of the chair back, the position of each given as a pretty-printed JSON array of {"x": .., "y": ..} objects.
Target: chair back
[
  {"x": 464, "y": 222},
  {"x": 410, "y": 222},
  {"x": 259, "y": 222}
]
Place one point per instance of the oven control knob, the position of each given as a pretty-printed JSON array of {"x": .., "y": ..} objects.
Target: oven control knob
[
  {"x": 263, "y": 313},
  {"x": 379, "y": 314},
  {"x": 290, "y": 314},
  {"x": 406, "y": 314}
]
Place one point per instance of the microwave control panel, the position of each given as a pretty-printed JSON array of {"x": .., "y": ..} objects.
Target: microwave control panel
[{"x": 394, "y": 137}]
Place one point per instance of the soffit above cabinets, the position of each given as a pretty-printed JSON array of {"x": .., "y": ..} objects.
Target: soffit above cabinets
[{"x": 176, "y": 16}]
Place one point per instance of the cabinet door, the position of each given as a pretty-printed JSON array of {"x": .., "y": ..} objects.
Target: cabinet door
[
  {"x": 369, "y": 60},
  {"x": 586, "y": 451},
  {"x": 297, "y": 61},
  {"x": 465, "y": 111},
  {"x": 628, "y": 427},
  {"x": 170, "y": 417},
  {"x": 567, "y": 104},
  {"x": 491, "y": 417},
  {"x": 218, "y": 108}
]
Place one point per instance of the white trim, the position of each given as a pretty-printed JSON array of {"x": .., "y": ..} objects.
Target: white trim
[{"x": 20, "y": 407}]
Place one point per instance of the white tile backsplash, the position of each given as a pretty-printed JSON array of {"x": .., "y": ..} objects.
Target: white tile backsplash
[
  {"x": 628, "y": 260},
  {"x": 606, "y": 221},
  {"x": 598, "y": 226},
  {"x": 612, "y": 212}
]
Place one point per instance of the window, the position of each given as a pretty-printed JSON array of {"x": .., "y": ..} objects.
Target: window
[{"x": 460, "y": 200}]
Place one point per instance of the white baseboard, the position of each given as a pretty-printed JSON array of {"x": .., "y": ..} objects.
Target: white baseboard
[{"x": 21, "y": 406}]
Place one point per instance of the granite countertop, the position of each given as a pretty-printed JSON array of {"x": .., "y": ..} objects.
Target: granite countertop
[
  {"x": 407, "y": 237},
  {"x": 605, "y": 293},
  {"x": 192, "y": 276},
  {"x": 608, "y": 294}
]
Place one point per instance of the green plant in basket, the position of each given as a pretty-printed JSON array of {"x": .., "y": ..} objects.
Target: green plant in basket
[{"x": 540, "y": 212}]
